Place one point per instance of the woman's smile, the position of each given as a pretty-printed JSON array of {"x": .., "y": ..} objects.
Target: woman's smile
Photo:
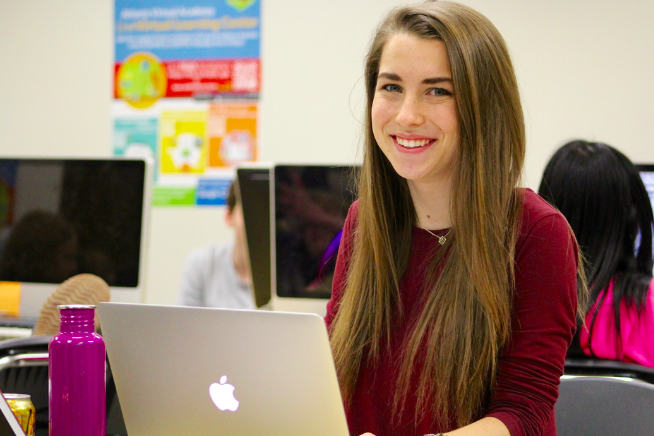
[{"x": 412, "y": 144}]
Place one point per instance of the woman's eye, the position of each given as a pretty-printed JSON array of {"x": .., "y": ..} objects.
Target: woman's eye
[
  {"x": 392, "y": 88},
  {"x": 440, "y": 92}
]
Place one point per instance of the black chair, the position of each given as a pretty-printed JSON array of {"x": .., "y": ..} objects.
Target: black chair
[
  {"x": 24, "y": 369},
  {"x": 604, "y": 406},
  {"x": 603, "y": 367}
]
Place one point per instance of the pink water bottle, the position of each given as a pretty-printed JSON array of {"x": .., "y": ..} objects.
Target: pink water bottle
[{"x": 77, "y": 375}]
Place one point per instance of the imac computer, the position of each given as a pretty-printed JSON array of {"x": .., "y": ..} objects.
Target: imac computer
[
  {"x": 60, "y": 217},
  {"x": 254, "y": 193},
  {"x": 309, "y": 204},
  {"x": 647, "y": 175}
]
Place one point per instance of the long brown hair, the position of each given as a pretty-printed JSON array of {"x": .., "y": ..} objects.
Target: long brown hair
[{"x": 465, "y": 320}]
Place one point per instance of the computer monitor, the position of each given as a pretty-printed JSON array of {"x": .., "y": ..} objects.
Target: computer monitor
[
  {"x": 64, "y": 216},
  {"x": 647, "y": 175},
  {"x": 310, "y": 203},
  {"x": 254, "y": 191}
]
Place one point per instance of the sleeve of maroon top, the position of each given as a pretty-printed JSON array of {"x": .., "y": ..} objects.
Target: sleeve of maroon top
[
  {"x": 342, "y": 262},
  {"x": 543, "y": 323}
]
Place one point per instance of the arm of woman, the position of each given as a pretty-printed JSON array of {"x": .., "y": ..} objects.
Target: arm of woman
[{"x": 543, "y": 324}]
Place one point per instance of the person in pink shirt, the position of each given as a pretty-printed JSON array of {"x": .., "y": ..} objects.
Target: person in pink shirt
[{"x": 600, "y": 192}]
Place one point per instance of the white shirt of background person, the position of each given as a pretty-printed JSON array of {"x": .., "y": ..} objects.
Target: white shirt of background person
[{"x": 218, "y": 275}]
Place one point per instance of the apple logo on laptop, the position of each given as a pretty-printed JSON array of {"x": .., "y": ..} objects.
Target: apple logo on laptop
[{"x": 222, "y": 395}]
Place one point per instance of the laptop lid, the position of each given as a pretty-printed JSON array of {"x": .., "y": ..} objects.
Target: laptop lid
[
  {"x": 254, "y": 191},
  {"x": 190, "y": 371}
]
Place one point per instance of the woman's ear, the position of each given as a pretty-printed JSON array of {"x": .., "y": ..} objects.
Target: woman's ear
[{"x": 229, "y": 217}]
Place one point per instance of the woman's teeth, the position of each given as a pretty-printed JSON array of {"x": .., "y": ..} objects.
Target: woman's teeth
[{"x": 412, "y": 143}]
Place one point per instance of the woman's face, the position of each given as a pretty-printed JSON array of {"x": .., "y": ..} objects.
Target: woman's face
[{"x": 414, "y": 110}]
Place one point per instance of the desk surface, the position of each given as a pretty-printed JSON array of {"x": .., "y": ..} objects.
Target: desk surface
[
  {"x": 20, "y": 327},
  {"x": 14, "y": 332},
  {"x": 21, "y": 321}
]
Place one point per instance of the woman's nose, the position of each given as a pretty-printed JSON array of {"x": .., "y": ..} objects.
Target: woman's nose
[{"x": 410, "y": 113}]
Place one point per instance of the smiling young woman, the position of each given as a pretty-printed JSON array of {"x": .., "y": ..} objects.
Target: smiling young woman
[{"x": 462, "y": 328}]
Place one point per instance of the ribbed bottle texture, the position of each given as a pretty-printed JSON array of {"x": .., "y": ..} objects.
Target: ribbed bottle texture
[{"x": 77, "y": 375}]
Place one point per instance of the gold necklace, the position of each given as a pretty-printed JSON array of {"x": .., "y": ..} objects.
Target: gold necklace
[{"x": 441, "y": 239}]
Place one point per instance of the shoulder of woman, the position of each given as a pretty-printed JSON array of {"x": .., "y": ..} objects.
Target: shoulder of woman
[
  {"x": 352, "y": 215},
  {"x": 354, "y": 208},
  {"x": 536, "y": 207},
  {"x": 536, "y": 210},
  {"x": 541, "y": 221}
]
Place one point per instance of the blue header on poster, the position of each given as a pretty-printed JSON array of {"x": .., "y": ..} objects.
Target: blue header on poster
[
  {"x": 212, "y": 192},
  {"x": 188, "y": 30}
]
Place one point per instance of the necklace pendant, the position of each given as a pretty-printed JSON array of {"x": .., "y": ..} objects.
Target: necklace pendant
[{"x": 441, "y": 239}]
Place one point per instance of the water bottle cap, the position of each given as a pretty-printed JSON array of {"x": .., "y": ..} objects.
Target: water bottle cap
[{"x": 76, "y": 306}]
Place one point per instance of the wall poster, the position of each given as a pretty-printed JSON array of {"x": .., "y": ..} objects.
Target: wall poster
[{"x": 187, "y": 78}]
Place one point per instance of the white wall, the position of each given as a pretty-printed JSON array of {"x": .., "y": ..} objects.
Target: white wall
[{"x": 585, "y": 69}]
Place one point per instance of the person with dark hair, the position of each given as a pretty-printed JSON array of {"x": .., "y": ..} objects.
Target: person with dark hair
[
  {"x": 600, "y": 192},
  {"x": 218, "y": 275},
  {"x": 455, "y": 292},
  {"x": 41, "y": 247}
]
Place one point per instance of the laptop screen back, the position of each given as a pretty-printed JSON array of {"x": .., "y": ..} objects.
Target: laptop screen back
[{"x": 254, "y": 190}]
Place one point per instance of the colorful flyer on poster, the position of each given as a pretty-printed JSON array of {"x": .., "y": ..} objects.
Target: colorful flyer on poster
[
  {"x": 136, "y": 137},
  {"x": 183, "y": 141},
  {"x": 185, "y": 48},
  {"x": 173, "y": 196},
  {"x": 232, "y": 133},
  {"x": 212, "y": 192}
]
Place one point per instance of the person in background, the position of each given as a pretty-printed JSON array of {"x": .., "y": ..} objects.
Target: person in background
[
  {"x": 601, "y": 194},
  {"x": 455, "y": 292},
  {"x": 219, "y": 275}
]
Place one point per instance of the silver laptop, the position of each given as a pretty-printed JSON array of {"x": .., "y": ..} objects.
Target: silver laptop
[{"x": 201, "y": 371}]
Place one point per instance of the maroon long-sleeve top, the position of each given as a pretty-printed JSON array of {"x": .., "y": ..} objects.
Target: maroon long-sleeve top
[{"x": 531, "y": 364}]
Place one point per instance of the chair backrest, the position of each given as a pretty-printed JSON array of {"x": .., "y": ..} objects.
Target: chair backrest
[
  {"x": 79, "y": 289},
  {"x": 604, "y": 406}
]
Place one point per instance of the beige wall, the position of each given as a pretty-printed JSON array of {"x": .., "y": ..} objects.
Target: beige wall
[{"x": 585, "y": 69}]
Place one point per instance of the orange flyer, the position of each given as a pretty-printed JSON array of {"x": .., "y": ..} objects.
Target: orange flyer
[{"x": 232, "y": 129}]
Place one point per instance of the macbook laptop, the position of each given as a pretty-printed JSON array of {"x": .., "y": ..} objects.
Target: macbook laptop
[{"x": 199, "y": 371}]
